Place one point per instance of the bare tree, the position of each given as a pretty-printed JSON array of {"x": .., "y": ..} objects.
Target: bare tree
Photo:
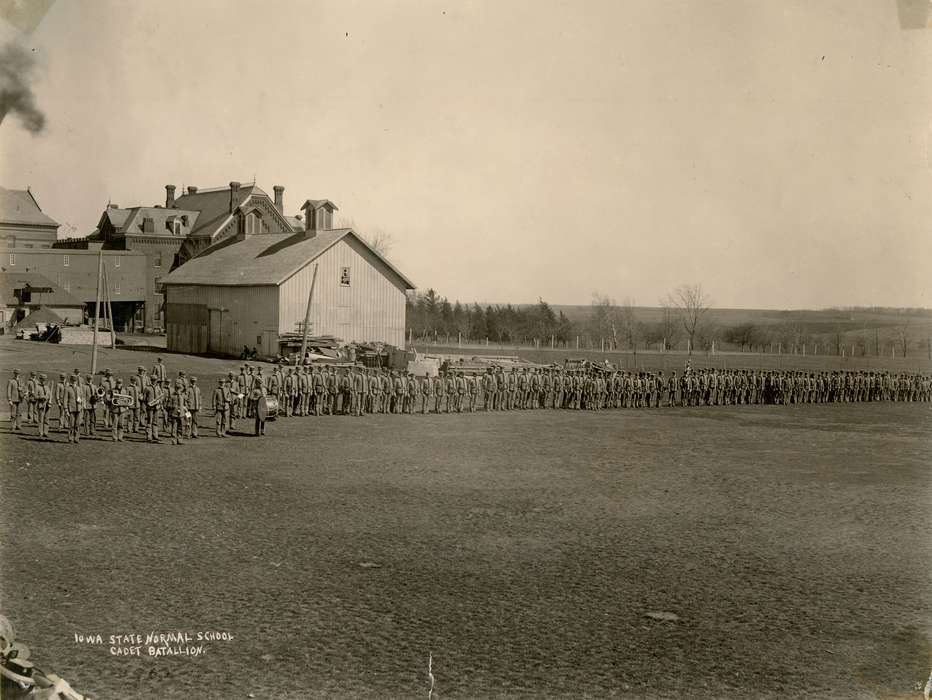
[
  {"x": 605, "y": 317},
  {"x": 902, "y": 335},
  {"x": 379, "y": 240},
  {"x": 631, "y": 327},
  {"x": 691, "y": 303}
]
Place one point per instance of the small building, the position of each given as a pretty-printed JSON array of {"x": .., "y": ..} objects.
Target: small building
[
  {"x": 252, "y": 288},
  {"x": 21, "y": 294},
  {"x": 74, "y": 271},
  {"x": 23, "y": 224}
]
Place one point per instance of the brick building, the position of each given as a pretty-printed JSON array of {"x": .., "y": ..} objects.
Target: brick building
[
  {"x": 23, "y": 224},
  {"x": 168, "y": 235}
]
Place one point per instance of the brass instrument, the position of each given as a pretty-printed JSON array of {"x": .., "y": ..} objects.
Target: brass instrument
[{"x": 121, "y": 400}]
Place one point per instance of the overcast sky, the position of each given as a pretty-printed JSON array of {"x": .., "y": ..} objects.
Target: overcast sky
[{"x": 780, "y": 153}]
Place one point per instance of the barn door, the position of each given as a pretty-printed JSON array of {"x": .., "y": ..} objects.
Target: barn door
[{"x": 213, "y": 332}]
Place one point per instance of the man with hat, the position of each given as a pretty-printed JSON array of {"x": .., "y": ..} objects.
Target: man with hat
[
  {"x": 194, "y": 406},
  {"x": 60, "y": 402},
  {"x": 31, "y": 384},
  {"x": 74, "y": 399},
  {"x": 178, "y": 402},
  {"x": 14, "y": 396},
  {"x": 107, "y": 384},
  {"x": 159, "y": 371},
  {"x": 134, "y": 412},
  {"x": 153, "y": 396},
  {"x": 119, "y": 413},
  {"x": 242, "y": 388},
  {"x": 221, "y": 405},
  {"x": 42, "y": 398},
  {"x": 257, "y": 393},
  {"x": 144, "y": 381},
  {"x": 88, "y": 405}
]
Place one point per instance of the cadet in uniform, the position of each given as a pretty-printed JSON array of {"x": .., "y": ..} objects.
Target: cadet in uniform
[
  {"x": 74, "y": 398},
  {"x": 194, "y": 405},
  {"x": 117, "y": 412},
  {"x": 42, "y": 399},
  {"x": 14, "y": 396}
]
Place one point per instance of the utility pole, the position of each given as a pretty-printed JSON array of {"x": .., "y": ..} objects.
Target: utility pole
[
  {"x": 307, "y": 317},
  {"x": 100, "y": 269}
]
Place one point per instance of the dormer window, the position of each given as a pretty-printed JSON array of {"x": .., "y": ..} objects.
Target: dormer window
[
  {"x": 254, "y": 223},
  {"x": 177, "y": 225}
]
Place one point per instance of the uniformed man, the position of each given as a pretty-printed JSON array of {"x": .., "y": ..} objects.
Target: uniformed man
[
  {"x": 42, "y": 399},
  {"x": 178, "y": 401},
  {"x": 153, "y": 396},
  {"x": 411, "y": 395},
  {"x": 221, "y": 406},
  {"x": 107, "y": 383},
  {"x": 59, "y": 394},
  {"x": 31, "y": 385},
  {"x": 74, "y": 398},
  {"x": 257, "y": 392},
  {"x": 118, "y": 413},
  {"x": 159, "y": 371},
  {"x": 195, "y": 403},
  {"x": 14, "y": 396},
  {"x": 89, "y": 405}
]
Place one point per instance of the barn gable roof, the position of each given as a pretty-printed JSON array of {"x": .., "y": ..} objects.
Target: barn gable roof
[
  {"x": 20, "y": 207},
  {"x": 265, "y": 259}
]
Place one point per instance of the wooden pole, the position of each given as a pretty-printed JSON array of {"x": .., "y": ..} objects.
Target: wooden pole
[
  {"x": 307, "y": 318},
  {"x": 100, "y": 267},
  {"x": 108, "y": 309}
]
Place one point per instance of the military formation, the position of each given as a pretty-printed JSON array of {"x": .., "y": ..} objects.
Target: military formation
[
  {"x": 153, "y": 404},
  {"x": 149, "y": 402}
]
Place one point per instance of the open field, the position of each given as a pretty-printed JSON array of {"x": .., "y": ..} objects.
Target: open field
[{"x": 522, "y": 550}]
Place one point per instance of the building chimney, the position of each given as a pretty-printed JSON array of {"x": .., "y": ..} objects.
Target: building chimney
[
  {"x": 234, "y": 191},
  {"x": 192, "y": 189},
  {"x": 279, "y": 198},
  {"x": 169, "y": 196}
]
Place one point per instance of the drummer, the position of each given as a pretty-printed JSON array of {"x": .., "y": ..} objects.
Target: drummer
[{"x": 257, "y": 393}]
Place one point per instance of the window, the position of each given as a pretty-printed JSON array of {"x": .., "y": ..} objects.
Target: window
[
  {"x": 66, "y": 260},
  {"x": 12, "y": 258},
  {"x": 66, "y": 285},
  {"x": 158, "y": 260},
  {"x": 116, "y": 287},
  {"x": 177, "y": 228},
  {"x": 28, "y": 245},
  {"x": 116, "y": 261},
  {"x": 345, "y": 277}
]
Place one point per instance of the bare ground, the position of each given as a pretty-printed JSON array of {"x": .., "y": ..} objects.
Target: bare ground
[{"x": 522, "y": 550}]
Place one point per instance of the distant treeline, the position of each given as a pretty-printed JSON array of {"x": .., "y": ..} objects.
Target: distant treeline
[{"x": 858, "y": 331}]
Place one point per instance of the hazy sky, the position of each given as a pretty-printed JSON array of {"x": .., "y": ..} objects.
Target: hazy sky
[{"x": 777, "y": 152}]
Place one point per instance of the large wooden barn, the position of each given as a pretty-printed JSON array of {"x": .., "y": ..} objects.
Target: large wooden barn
[{"x": 250, "y": 289}]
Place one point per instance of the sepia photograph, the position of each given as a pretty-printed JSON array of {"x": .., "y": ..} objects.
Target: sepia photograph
[{"x": 471, "y": 349}]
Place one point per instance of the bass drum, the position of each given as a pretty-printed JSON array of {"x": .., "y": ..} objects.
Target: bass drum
[{"x": 267, "y": 408}]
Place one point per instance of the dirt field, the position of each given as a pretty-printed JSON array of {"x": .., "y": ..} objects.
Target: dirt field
[{"x": 522, "y": 550}]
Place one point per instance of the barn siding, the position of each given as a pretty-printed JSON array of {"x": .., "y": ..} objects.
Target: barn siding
[
  {"x": 196, "y": 324},
  {"x": 372, "y": 308}
]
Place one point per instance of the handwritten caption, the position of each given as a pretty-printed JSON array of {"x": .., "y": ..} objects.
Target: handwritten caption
[{"x": 155, "y": 643}]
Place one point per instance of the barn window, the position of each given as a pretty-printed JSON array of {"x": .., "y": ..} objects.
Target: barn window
[
  {"x": 345, "y": 277},
  {"x": 66, "y": 260}
]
